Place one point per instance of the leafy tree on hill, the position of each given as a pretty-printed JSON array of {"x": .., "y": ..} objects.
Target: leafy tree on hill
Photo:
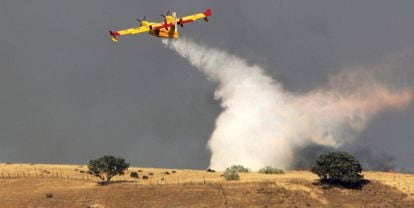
[
  {"x": 338, "y": 168},
  {"x": 107, "y": 167}
]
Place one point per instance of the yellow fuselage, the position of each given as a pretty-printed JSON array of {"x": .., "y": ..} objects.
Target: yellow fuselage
[
  {"x": 164, "y": 33},
  {"x": 167, "y": 29}
]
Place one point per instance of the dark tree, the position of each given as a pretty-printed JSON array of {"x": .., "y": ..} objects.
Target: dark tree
[
  {"x": 107, "y": 167},
  {"x": 338, "y": 168}
]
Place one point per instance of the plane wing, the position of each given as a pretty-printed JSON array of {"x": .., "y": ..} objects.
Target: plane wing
[
  {"x": 129, "y": 31},
  {"x": 191, "y": 18}
]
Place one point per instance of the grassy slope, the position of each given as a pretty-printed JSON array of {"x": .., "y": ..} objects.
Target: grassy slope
[{"x": 28, "y": 185}]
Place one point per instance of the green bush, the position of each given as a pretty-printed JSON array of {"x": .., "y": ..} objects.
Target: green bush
[
  {"x": 107, "y": 167},
  {"x": 240, "y": 168},
  {"x": 231, "y": 174},
  {"x": 338, "y": 168},
  {"x": 271, "y": 170}
]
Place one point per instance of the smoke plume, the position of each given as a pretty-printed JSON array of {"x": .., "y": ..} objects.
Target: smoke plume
[{"x": 263, "y": 124}]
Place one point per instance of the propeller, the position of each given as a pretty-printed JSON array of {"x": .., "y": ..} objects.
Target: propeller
[
  {"x": 165, "y": 18},
  {"x": 180, "y": 23},
  {"x": 143, "y": 19},
  {"x": 168, "y": 13}
]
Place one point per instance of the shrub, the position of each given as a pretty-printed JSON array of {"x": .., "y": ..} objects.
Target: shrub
[
  {"x": 49, "y": 195},
  {"x": 271, "y": 170},
  {"x": 240, "y": 168},
  {"x": 145, "y": 177},
  {"x": 211, "y": 170},
  {"x": 231, "y": 174},
  {"x": 338, "y": 168},
  {"x": 107, "y": 167},
  {"x": 134, "y": 174}
]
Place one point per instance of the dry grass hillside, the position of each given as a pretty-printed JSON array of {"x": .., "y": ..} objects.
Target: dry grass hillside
[{"x": 38, "y": 185}]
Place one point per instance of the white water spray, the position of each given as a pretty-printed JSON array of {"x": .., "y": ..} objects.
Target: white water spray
[{"x": 262, "y": 124}]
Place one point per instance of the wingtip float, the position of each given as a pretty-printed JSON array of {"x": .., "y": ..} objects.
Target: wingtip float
[{"x": 166, "y": 29}]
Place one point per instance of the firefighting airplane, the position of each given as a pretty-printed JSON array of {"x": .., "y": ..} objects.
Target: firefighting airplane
[{"x": 166, "y": 29}]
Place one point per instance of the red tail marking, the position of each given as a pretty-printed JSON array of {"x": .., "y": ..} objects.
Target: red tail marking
[{"x": 207, "y": 12}]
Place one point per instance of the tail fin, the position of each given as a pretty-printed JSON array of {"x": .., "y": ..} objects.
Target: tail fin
[
  {"x": 207, "y": 13},
  {"x": 114, "y": 36}
]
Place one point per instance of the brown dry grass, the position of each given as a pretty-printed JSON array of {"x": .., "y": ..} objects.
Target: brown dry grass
[{"x": 28, "y": 185}]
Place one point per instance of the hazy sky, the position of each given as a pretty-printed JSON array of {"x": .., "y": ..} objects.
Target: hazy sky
[{"x": 68, "y": 94}]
